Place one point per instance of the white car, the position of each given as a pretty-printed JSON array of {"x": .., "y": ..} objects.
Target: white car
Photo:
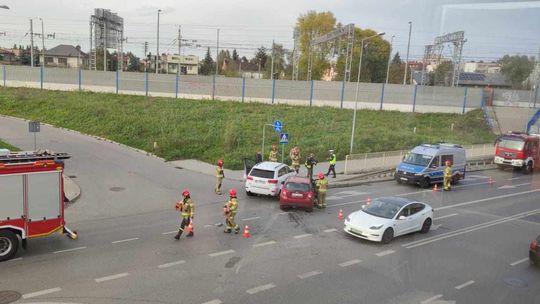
[
  {"x": 388, "y": 217},
  {"x": 266, "y": 178}
]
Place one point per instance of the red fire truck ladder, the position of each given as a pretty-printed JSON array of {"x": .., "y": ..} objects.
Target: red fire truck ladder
[{"x": 31, "y": 156}]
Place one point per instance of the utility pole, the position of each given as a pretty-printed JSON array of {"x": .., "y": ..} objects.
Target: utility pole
[
  {"x": 145, "y": 55},
  {"x": 31, "y": 43},
  {"x": 407, "y": 60},
  {"x": 157, "y": 47},
  {"x": 179, "y": 39},
  {"x": 42, "y": 44},
  {"x": 105, "y": 47},
  {"x": 217, "y": 53},
  {"x": 272, "y": 66},
  {"x": 389, "y": 58}
]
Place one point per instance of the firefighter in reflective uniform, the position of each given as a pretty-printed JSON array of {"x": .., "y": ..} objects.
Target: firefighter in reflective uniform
[
  {"x": 295, "y": 158},
  {"x": 185, "y": 206},
  {"x": 220, "y": 175},
  {"x": 230, "y": 209},
  {"x": 322, "y": 186},
  {"x": 273, "y": 157},
  {"x": 447, "y": 176}
]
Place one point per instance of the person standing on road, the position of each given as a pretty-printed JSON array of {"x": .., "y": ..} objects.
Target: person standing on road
[
  {"x": 332, "y": 163},
  {"x": 447, "y": 176},
  {"x": 310, "y": 164},
  {"x": 185, "y": 206},
  {"x": 322, "y": 187},
  {"x": 220, "y": 175},
  {"x": 258, "y": 157},
  {"x": 295, "y": 158},
  {"x": 273, "y": 157},
  {"x": 230, "y": 209}
]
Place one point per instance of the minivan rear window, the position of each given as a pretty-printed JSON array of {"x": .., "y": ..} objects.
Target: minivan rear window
[
  {"x": 297, "y": 187},
  {"x": 262, "y": 173}
]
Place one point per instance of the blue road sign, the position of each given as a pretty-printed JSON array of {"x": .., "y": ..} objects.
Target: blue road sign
[
  {"x": 278, "y": 126},
  {"x": 284, "y": 138}
]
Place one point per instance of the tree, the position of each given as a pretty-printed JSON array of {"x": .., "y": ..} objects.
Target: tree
[
  {"x": 235, "y": 55},
  {"x": 516, "y": 69},
  {"x": 279, "y": 62},
  {"x": 442, "y": 75},
  {"x": 310, "y": 26},
  {"x": 396, "y": 59},
  {"x": 207, "y": 65},
  {"x": 261, "y": 57},
  {"x": 133, "y": 63},
  {"x": 397, "y": 68},
  {"x": 374, "y": 61}
]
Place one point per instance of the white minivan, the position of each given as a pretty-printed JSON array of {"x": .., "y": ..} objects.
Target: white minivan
[{"x": 266, "y": 178}]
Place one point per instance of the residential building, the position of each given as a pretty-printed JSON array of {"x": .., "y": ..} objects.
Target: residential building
[
  {"x": 481, "y": 67},
  {"x": 251, "y": 70},
  {"x": 65, "y": 56},
  {"x": 7, "y": 55},
  {"x": 189, "y": 64}
]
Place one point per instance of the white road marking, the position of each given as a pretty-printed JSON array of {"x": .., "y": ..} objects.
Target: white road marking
[
  {"x": 170, "y": 232},
  {"x": 330, "y": 230},
  {"x": 513, "y": 186},
  {"x": 519, "y": 262},
  {"x": 171, "y": 264},
  {"x": 487, "y": 199},
  {"x": 445, "y": 216},
  {"x": 126, "y": 240},
  {"x": 464, "y": 285},
  {"x": 215, "y": 301},
  {"x": 41, "y": 293},
  {"x": 265, "y": 244},
  {"x": 432, "y": 299},
  {"x": 383, "y": 253},
  {"x": 112, "y": 277},
  {"x": 468, "y": 229},
  {"x": 15, "y": 259},
  {"x": 72, "y": 249},
  {"x": 251, "y": 218},
  {"x": 282, "y": 213},
  {"x": 331, "y": 198},
  {"x": 260, "y": 288},
  {"x": 434, "y": 227},
  {"x": 513, "y": 178},
  {"x": 302, "y": 236},
  {"x": 309, "y": 274},
  {"x": 215, "y": 254},
  {"x": 349, "y": 263}
]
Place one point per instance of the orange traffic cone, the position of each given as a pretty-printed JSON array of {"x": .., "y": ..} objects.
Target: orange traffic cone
[
  {"x": 340, "y": 215},
  {"x": 369, "y": 200},
  {"x": 246, "y": 232},
  {"x": 435, "y": 188},
  {"x": 490, "y": 181},
  {"x": 190, "y": 227}
]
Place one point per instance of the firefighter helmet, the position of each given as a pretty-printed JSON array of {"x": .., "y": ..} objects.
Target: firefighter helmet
[
  {"x": 220, "y": 162},
  {"x": 321, "y": 175},
  {"x": 232, "y": 192},
  {"x": 447, "y": 163},
  {"x": 274, "y": 147},
  {"x": 185, "y": 193}
]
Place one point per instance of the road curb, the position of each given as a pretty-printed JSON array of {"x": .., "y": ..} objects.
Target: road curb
[{"x": 72, "y": 191}]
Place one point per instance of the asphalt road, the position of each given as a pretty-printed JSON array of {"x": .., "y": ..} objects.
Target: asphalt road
[{"x": 475, "y": 252}]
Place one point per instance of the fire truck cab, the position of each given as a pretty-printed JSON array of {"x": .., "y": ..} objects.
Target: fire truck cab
[
  {"x": 31, "y": 198},
  {"x": 518, "y": 150}
]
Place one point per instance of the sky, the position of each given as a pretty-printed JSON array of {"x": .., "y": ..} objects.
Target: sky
[{"x": 492, "y": 28}]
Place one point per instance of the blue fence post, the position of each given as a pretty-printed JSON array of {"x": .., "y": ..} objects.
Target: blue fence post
[
  {"x": 80, "y": 79},
  {"x": 382, "y": 97},
  {"x": 4, "y": 74},
  {"x": 213, "y": 86},
  {"x": 482, "y": 98},
  {"x": 243, "y": 88},
  {"x": 414, "y": 97},
  {"x": 177, "y": 83},
  {"x": 342, "y": 93},
  {"x": 117, "y": 77},
  {"x": 273, "y": 89},
  {"x": 146, "y": 82},
  {"x": 311, "y": 93},
  {"x": 535, "y": 92},
  {"x": 41, "y": 76},
  {"x": 464, "y": 101}
]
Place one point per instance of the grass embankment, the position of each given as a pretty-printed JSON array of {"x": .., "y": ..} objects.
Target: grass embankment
[
  {"x": 4, "y": 145},
  {"x": 209, "y": 130}
]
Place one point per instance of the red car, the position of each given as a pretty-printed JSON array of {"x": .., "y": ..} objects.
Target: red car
[{"x": 297, "y": 192}]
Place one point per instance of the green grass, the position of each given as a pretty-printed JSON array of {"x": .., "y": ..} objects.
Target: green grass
[
  {"x": 4, "y": 145},
  {"x": 208, "y": 130}
]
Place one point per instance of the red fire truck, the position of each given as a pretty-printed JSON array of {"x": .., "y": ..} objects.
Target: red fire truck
[
  {"x": 518, "y": 150},
  {"x": 31, "y": 198}
]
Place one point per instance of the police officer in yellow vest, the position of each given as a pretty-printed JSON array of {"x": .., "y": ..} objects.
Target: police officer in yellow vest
[
  {"x": 187, "y": 210},
  {"x": 332, "y": 163},
  {"x": 273, "y": 157},
  {"x": 295, "y": 158},
  {"x": 322, "y": 187},
  {"x": 220, "y": 175},
  {"x": 230, "y": 209},
  {"x": 447, "y": 176}
]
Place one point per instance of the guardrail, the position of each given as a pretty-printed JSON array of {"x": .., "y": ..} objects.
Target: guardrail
[{"x": 356, "y": 163}]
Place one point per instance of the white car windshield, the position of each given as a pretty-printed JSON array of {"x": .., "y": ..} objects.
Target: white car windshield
[
  {"x": 382, "y": 209},
  {"x": 418, "y": 159}
]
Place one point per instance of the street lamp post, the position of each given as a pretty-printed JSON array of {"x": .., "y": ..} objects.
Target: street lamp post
[
  {"x": 407, "y": 59},
  {"x": 43, "y": 44},
  {"x": 358, "y": 87},
  {"x": 157, "y": 47},
  {"x": 389, "y": 58}
]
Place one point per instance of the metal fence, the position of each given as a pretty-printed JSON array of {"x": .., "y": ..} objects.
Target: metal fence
[{"x": 355, "y": 163}]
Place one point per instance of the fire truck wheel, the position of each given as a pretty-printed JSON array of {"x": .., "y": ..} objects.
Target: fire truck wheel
[
  {"x": 528, "y": 168},
  {"x": 9, "y": 243}
]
